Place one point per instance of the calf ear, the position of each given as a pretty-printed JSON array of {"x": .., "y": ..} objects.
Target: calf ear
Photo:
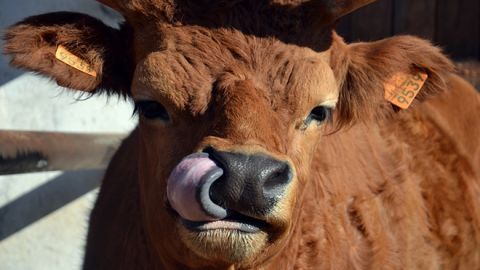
[
  {"x": 76, "y": 50},
  {"x": 363, "y": 69}
]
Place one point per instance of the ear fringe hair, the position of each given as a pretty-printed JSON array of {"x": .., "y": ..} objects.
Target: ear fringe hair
[
  {"x": 32, "y": 43},
  {"x": 362, "y": 68}
]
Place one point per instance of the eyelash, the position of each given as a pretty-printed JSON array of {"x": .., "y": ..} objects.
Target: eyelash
[
  {"x": 319, "y": 114},
  {"x": 151, "y": 110}
]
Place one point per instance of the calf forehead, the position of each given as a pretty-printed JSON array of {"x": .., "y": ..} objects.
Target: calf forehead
[{"x": 187, "y": 62}]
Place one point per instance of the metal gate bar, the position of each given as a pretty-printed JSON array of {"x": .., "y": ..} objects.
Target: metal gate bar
[{"x": 31, "y": 151}]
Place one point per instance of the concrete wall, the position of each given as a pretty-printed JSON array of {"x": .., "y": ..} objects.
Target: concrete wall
[{"x": 43, "y": 216}]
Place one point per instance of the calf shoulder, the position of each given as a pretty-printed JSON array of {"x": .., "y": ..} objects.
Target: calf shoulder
[{"x": 400, "y": 193}]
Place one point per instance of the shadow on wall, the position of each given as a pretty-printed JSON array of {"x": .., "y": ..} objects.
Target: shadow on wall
[
  {"x": 47, "y": 198},
  {"x": 8, "y": 75}
]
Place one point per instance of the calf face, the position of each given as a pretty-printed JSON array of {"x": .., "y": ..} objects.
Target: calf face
[
  {"x": 255, "y": 109},
  {"x": 231, "y": 109}
]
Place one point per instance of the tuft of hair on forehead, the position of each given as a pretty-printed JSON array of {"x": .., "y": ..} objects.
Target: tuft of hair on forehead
[{"x": 303, "y": 22}]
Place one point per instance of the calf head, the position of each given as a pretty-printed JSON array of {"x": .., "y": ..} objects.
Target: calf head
[{"x": 233, "y": 99}]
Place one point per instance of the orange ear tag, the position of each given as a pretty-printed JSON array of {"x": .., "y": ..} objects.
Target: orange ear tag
[
  {"x": 74, "y": 61},
  {"x": 402, "y": 88}
]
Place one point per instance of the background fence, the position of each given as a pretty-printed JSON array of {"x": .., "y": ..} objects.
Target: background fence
[
  {"x": 452, "y": 24},
  {"x": 43, "y": 216}
]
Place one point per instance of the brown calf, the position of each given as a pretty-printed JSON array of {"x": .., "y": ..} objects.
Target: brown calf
[{"x": 266, "y": 142}]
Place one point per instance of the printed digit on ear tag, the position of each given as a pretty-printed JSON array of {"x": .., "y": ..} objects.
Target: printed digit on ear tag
[
  {"x": 402, "y": 88},
  {"x": 74, "y": 61}
]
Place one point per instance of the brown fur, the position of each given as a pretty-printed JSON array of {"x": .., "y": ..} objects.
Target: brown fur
[
  {"x": 35, "y": 40},
  {"x": 373, "y": 63},
  {"x": 389, "y": 189}
]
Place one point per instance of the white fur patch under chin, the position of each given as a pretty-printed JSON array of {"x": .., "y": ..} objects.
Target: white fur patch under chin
[{"x": 225, "y": 245}]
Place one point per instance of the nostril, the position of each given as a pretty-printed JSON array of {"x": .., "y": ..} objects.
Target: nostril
[
  {"x": 216, "y": 194},
  {"x": 277, "y": 179},
  {"x": 209, "y": 205},
  {"x": 215, "y": 189}
]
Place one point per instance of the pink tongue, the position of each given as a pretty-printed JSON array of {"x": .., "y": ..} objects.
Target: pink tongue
[{"x": 184, "y": 183}]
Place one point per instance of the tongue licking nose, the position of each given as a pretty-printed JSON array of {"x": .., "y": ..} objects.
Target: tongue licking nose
[{"x": 188, "y": 188}]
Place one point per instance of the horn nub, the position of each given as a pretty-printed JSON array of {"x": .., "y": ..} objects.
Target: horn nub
[{"x": 340, "y": 8}]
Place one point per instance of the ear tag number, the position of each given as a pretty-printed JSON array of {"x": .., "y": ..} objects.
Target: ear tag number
[
  {"x": 402, "y": 88},
  {"x": 74, "y": 61}
]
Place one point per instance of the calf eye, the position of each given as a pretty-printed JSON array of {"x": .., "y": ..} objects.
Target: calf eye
[
  {"x": 151, "y": 110},
  {"x": 319, "y": 114}
]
